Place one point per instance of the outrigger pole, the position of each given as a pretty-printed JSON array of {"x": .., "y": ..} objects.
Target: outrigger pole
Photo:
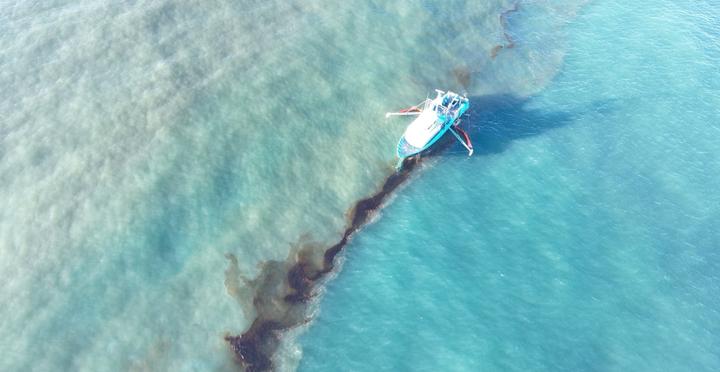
[
  {"x": 406, "y": 113},
  {"x": 410, "y": 111},
  {"x": 467, "y": 145}
]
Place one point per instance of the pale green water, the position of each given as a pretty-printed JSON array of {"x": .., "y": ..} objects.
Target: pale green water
[{"x": 141, "y": 142}]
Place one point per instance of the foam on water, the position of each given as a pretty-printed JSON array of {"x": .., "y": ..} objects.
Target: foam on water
[{"x": 143, "y": 142}]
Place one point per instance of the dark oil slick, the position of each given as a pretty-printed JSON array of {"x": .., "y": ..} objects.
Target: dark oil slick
[
  {"x": 510, "y": 43},
  {"x": 283, "y": 289}
]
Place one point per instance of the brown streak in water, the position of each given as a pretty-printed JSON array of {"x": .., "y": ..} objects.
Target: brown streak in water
[
  {"x": 510, "y": 43},
  {"x": 463, "y": 75},
  {"x": 254, "y": 348}
]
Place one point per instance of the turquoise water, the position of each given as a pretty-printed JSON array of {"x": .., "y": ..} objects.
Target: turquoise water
[
  {"x": 582, "y": 236},
  {"x": 157, "y": 156}
]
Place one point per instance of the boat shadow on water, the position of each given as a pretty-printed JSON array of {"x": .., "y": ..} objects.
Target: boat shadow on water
[{"x": 493, "y": 122}]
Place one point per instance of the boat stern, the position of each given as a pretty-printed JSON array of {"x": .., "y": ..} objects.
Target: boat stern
[{"x": 404, "y": 149}]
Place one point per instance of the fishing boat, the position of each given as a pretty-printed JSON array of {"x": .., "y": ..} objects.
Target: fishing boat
[{"x": 435, "y": 117}]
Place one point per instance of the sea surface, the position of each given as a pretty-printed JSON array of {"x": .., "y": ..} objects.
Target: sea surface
[{"x": 159, "y": 160}]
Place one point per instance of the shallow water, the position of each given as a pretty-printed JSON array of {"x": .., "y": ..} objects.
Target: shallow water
[
  {"x": 582, "y": 236},
  {"x": 145, "y": 146}
]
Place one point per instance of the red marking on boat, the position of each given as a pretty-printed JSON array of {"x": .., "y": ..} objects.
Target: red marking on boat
[{"x": 467, "y": 138}]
